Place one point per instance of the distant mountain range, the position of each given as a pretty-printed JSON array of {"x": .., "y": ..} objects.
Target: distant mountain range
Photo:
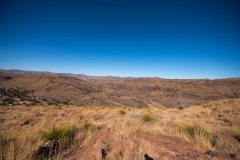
[
  {"x": 87, "y": 76},
  {"x": 62, "y": 74},
  {"x": 47, "y": 72}
]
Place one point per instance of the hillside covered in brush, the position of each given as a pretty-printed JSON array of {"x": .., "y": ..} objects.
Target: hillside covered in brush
[{"x": 55, "y": 89}]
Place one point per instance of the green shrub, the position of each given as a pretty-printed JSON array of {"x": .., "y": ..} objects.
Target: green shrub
[
  {"x": 181, "y": 107},
  {"x": 215, "y": 109},
  {"x": 122, "y": 112},
  {"x": 88, "y": 126},
  {"x": 66, "y": 133},
  {"x": 148, "y": 117}
]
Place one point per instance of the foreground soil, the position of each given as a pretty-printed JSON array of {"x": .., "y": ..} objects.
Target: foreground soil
[{"x": 148, "y": 147}]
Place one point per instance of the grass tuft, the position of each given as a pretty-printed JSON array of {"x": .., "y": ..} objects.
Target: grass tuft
[
  {"x": 57, "y": 107},
  {"x": 197, "y": 134},
  {"x": 148, "y": 118},
  {"x": 122, "y": 112},
  {"x": 88, "y": 126},
  {"x": 149, "y": 132},
  {"x": 181, "y": 107},
  {"x": 215, "y": 109},
  {"x": 65, "y": 133}
]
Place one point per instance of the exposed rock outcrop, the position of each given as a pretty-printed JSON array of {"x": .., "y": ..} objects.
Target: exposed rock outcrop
[{"x": 141, "y": 146}]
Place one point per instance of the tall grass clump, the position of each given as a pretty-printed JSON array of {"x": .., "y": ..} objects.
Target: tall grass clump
[
  {"x": 16, "y": 145},
  {"x": 215, "y": 109},
  {"x": 122, "y": 112},
  {"x": 88, "y": 126},
  {"x": 181, "y": 107},
  {"x": 65, "y": 133},
  {"x": 148, "y": 118},
  {"x": 197, "y": 134}
]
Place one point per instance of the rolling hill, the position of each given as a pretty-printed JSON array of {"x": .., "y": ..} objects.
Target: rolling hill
[{"x": 49, "y": 88}]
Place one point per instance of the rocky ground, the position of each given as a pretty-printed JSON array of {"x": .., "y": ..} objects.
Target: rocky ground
[
  {"x": 209, "y": 131},
  {"x": 148, "y": 147}
]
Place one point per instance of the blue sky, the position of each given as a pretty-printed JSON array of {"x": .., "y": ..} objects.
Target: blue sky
[{"x": 168, "y": 39}]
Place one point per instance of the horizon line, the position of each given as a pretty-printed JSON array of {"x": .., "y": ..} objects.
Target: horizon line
[{"x": 49, "y": 72}]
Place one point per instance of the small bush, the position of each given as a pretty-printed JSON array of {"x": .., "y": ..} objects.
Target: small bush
[
  {"x": 181, "y": 107},
  {"x": 28, "y": 105},
  {"x": 122, "y": 112},
  {"x": 65, "y": 133},
  {"x": 148, "y": 117},
  {"x": 88, "y": 126},
  {"x": 215, "y": 109}
]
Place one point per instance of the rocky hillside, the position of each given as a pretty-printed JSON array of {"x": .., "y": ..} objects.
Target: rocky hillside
[
  {"x": 203, "y": 132},
  {"x": 36, "y": 88}
]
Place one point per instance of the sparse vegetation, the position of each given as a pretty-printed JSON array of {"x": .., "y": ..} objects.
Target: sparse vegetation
[
  {"x": 149, "y": 132},
  {"x": 122, "y": 112},
  {"x": 16, "y": 144},
  {"x": 181, "y": 107},
  {"x": 65, "y": 133},
  {"x": 88, "y": 126},
  {"x": 57, "y": 107},
  {"x": 196, "y": 134},
  {"x": 235, "y": 134},
  {"x": 14, "y": 96},
  {"x": 28, "y": 105},
  {"x": 215, "y": 109},
  {"x": 24, "y": 129},
  {"x": 148, "y": 118}
]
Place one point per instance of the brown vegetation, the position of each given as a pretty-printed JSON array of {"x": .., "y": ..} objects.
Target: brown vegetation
[
  {"x": 53, "y": 89},
  {"x": 202, "y": 131}
]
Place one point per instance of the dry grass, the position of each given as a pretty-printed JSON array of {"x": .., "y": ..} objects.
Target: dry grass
[
  {"x": 19, "y": 144},
  {"x": 122, "y": 112},
  {"x": 22, "y": 129},
  {"x": 197, "y": 134},
  {"x": 148, "y": 118}
]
